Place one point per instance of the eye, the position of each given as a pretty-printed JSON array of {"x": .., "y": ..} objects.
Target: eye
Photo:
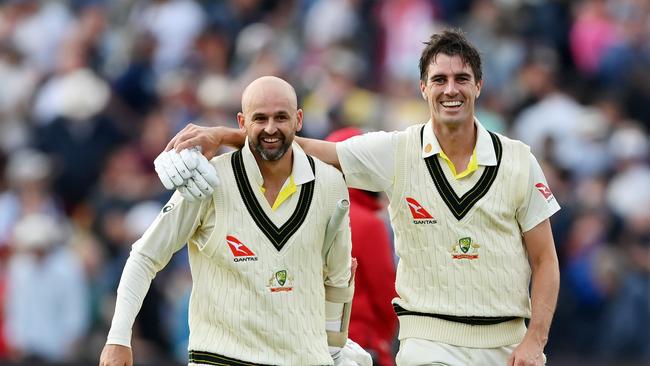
[{"x": 438, "y": 81}]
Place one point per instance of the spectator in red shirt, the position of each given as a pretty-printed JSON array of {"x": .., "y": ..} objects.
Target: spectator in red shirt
[{"x": 372, "y": 322}]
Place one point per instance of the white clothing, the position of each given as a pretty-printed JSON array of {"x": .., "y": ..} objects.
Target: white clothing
[
  {"x": 258, "y": 274},
  {"x": 459, "y": 240}
]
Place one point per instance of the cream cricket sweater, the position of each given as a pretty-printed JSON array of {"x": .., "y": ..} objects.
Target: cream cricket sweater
[
  {"x": 258, "y": 279},
  {"x": 460, "y": 247}
]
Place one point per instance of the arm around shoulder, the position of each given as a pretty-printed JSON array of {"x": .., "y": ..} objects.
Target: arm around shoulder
[
  {"x": 323, "y": 150},
  {"x": 208, "y": 138}
]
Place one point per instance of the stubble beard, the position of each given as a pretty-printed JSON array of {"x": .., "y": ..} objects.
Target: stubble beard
[{"x": 271, "y": 155}]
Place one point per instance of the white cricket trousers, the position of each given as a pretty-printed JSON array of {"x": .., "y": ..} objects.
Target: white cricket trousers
[{"x": 422, "y": 352}]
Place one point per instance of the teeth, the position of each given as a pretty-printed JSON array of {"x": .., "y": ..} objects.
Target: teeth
[
  {"x": 454, "y": 103},
  {"x": 270, "y": 141}
]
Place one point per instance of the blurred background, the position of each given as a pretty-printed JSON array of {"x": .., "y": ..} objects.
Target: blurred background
[{"x": 91, "y": 91}]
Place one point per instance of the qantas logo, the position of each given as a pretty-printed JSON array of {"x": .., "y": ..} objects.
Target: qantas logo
[
  {"x": 545, "y": 191},
  {"x": 420, "y": 215},
  {"x": 239, "y": 250}
]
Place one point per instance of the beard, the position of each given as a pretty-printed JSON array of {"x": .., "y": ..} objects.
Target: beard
[{"x": 271, "y": 154}]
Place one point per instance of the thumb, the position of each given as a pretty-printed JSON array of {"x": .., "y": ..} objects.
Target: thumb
[
  {"x": 209, "y": 154},
  {"x": 171, "y": 144}
]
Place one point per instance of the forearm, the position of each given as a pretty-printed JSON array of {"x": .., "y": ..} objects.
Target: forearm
[
  {"x": 544, "y": 294},
  {"x": 323, "y": 150},
  {"x": 233, "y": 137},
  {"x": 133, "y": 287},
  {"x": 208, "y": 138}
]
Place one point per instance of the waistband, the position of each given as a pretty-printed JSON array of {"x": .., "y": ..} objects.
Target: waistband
[
  {"x": 471, "y": 320},
  {"x": 209, "y": 358},
  {"x": 499, "y": 334}
]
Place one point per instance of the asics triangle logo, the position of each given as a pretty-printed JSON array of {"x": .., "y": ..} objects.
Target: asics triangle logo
[
  {"x": 417, "y": 210},
  {"x": 237, "y": 248}
]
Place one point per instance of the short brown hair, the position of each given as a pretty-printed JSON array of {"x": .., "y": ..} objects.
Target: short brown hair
[{"x": 451, "y": 42}]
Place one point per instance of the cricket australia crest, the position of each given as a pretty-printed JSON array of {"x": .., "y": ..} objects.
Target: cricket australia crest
[
  {"x": 465, "y": 249},
  {"x": 280, "y": 281}
]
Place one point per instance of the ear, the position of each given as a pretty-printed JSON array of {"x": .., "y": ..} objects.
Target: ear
[
  {"x": 299, "y": 115},
  {"x": 479, "y": 86},
  {"x": 423, "y": 87},
  {"x": 241, "y": 121}
]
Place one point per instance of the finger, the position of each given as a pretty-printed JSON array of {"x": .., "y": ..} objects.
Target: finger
[
  {"x": 186, "y": 194},
  {"x": 511, "y": 360},
  {"x": 207, "y": 154},
  {"x": 202, "y": 184},
  {"x": 194, "y": 190},
  {"x": 190, "y": 158},
  {"x": 171, "y": 171},
  {"x": 172, "y": 142},
  {"x": 162, "y": 172},
  {"x": 179, "y": 164},
  {"x": 188, "y": 141},
  {"x": 208, "y": 171},
  {"x": 187, "y": 133}
]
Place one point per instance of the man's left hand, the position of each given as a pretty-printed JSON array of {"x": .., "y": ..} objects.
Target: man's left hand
[
  {"x": 527, "y": 353},
  {"x": 188, "y": 171}
]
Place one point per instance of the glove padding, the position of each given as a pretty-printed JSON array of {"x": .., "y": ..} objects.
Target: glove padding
[
  {"x": 188, "y": 171},
  {"x": 352, "y": 355}
]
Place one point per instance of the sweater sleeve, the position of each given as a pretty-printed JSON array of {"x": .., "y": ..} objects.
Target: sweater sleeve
[{"x": 174, "y": 226}]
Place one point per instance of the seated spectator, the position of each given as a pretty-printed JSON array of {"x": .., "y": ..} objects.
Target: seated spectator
[{"x": 46, "y": 299}]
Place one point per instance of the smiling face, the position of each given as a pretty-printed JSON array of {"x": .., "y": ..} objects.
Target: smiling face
[
  {"x": 450, "y": 90},
  {"x": 270, "y": 117}
]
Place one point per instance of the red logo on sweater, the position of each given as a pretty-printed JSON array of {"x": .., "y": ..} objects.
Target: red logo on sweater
[
  {"x": 544, "y": 190},
  {"x": 420, "y": 215},
  {"x": 239, "y": 250}
]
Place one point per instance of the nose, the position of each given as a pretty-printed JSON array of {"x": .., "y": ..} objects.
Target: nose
[
  {"x": 270, "y": 127},
  {"x": 451, "y": 88}
]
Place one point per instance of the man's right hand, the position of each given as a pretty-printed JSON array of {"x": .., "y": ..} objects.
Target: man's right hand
[
  {"x": 116, "y": 355},
  {"x": 209, "y": 139}
]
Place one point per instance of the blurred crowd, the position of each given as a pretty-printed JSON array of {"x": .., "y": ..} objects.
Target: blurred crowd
[{"x": 93, "y": 90}]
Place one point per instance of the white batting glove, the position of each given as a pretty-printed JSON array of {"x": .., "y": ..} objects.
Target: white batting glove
[
  {"x": 188, "y": 171},
  {"x": 352, "y": 355},
  {"x": 206, "y": 171},
  {"x": 170, "y": 177}
]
